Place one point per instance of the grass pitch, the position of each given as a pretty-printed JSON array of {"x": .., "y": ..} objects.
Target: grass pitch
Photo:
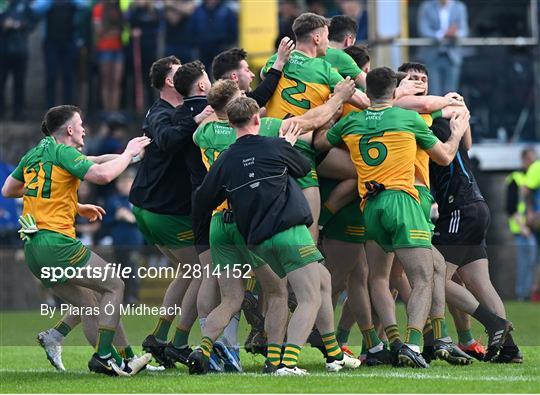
[{"x": 24, "y": 368}]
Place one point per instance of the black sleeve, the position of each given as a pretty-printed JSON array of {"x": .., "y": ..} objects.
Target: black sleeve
[
  {"x": 297, "y": 164},
  {"x": 266, "y": 89},
  {"x": 211, "y": 192},
  {"x": 512, "y": 198},
  {"x": 172, "y": 135},
  {"x": 441, "y": 129}
]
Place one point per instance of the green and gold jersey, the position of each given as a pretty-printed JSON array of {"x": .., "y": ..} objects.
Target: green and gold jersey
[
  {"x": 51, "y": 173},
  {"x": 421, "y": 166},
  {"x": 215, "y": 137},
  {"x": 342, "y": 62},
  {"x": 305, "y": 83},
  {"x": 382, "y": 145}
]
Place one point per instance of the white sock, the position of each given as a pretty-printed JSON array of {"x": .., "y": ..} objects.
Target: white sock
[
  {"x": 202, "y": 322},
  {"x": 231, "y": 330}
]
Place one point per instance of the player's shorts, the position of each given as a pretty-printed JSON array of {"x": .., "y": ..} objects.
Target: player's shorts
[
  {"x": 426, "y": 201},
  {"x": 460, "y": 235},
  {"x": 228, "y": 248},
  {"x": 171, "y": 231},
  {"x": 311, "y": 179},
  {"x": 48, "y": 249},
  {"x": 348, "y": 223},
  {"x": 394, "y": 219},
  {"x": 288, "y": 250}
]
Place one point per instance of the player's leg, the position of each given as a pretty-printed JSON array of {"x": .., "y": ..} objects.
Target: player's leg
[
  {"x": 399, "y": 281},
  {"x": 314, "y": 201}
]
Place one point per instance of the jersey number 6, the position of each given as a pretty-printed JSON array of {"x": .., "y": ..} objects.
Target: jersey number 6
[{"x": 367, "y": 147}]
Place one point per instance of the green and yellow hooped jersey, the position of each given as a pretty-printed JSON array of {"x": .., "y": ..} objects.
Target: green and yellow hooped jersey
[
  {"x": 305, "y": 83},
  {"x": 51, "y": 173}
]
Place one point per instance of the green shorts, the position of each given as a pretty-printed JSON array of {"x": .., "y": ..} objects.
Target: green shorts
[
  {"x": 288, "y": 250},
  {"x": 311, "y": 179},
  {"x": 227, "y": 246},
  {"x": 348, "y": 223},
  {"x": 426, "y": 201},
  {"x": 47, "y": 250},
  {"x": 394, "y": 219},
  {"x": 172, "y": 231}
]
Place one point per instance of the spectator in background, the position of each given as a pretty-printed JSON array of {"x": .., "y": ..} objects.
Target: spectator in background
[
  {"x": 443, "y": 21},
  {"x": 288, "y": 12},
  {"x": 145, "y": 21},
  {"x": 122, "y": 227},
  {"x": 9, "y": 213},
  {"x": 16, "y": 22},
  {"x": 358, "y": 10},
  {"x": 215, "y": 28},
  {"x": 524, "y": 239},
  {"x": 108, "y": 23},
  {"x": 60, "y": 46},
  {"x": 532, "y": 198},
  {"x": 178, "y": 39}
]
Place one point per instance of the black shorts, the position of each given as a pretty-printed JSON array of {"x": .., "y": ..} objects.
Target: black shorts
[{"x": 460, "y": 235}]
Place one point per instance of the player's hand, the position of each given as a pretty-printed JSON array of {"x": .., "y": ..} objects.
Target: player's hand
[
  {"x": 454, "y": 99},
  {"x": 208, "y": 110},
  {"x": 286, "y": 46},
  {"x": 345, "y": 89},
  {"x": 136, "y": 145},
  {"x": 408, "y": 87},
  {"x": 290, "y": 132},
  {"x": 28, "y": 226},
  {"x": 459, "y": 123},
  {"x": 91, "y": 212}
]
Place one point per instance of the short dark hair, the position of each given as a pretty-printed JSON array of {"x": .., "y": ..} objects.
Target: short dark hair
[
  {"x": 57, "y": 117},
  {"x": 227, "y": 61},
  {"x": 160, "y": 69},
  {"x": 306, "y": 23},
  {"x": 340, "y": 26},
  {"x": 359, "y": 53},
  {"x": 221, "y": 93},
  {"x": 241, "y": 110},
  {"x": 187, "y": 75},
  {"x": 416, "y": 66},
  {"x": 400, "y": 75},
  {"x": 381, "y": 83}
]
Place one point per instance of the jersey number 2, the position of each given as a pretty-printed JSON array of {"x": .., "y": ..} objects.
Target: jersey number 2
[
  {"x": 287, "y": 94},
  {"x": 366, "y": 147},
  {"x": 46, "y": 189}
]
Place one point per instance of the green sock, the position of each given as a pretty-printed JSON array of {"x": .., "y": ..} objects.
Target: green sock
[
  {"x": 326, "y": 213},
  {"x": 364, "y": 348},
  {"x": 414, "y": 336},
  {"x": 371, "y": 339},
  {"x": 117, "y": 357},
  {"x": 342, "y": 335},
  {"x": 104, "y": 347},
  {"x": 427, "y": 332},
  {"x": 439, "y": 327},
  {"x": 180, "y": 338},
  {"x": 273, "y": 354},
  {"x": 465, "y": 337},
  {"x": 291, "y": 354},
  {"x": 63, "y": 328},
  {"x": 392, "y": 333},
  {"x": 206, "y": 346},
  {"x": 162, "y": 329},
  {"x": 332, "y": 347}
]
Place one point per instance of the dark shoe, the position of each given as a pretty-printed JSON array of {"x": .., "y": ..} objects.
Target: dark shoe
[
  {"x": 269, "y": 368},
  {"x": 157, "y": 349},
  {"x": 197, "y": 362},
  {"x": 176, "y": 354},
  {"x": 497, "y": 337},
  {"x": 413, "y": 359},
  {"x": 315, "y": 340},
  {"x": 383, "y": 357},
  {"x": 450, "y": 353},
  {"x": 508, "y": 354},
  {"x": 428, "y": 352},
  {"x": 109, "y": 366}
]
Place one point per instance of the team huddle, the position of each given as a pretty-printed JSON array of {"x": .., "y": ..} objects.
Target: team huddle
[{"x": 322, "y": 180}]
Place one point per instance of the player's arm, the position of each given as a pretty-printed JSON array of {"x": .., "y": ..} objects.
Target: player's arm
[
  {"x": 12, "y": 188},
  {"x": 443, "y": 153},
  {"x": 106, "y": 172},
  {"x": 360, "y": 100},
  {"x": 324, "y": 140},
  {"x": 102, "y": 158},
  {"x": 319, "y": 116},
  {"x": 427, "y": 104},
  {"x": 448, "y": 112},
  {"x": 360, "y": 81}
]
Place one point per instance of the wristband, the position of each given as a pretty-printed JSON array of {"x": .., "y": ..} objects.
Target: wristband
[{"x": 136, "y": 159}]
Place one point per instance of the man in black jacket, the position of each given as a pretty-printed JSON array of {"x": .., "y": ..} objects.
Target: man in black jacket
[{"x": 256, "y": 175}]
